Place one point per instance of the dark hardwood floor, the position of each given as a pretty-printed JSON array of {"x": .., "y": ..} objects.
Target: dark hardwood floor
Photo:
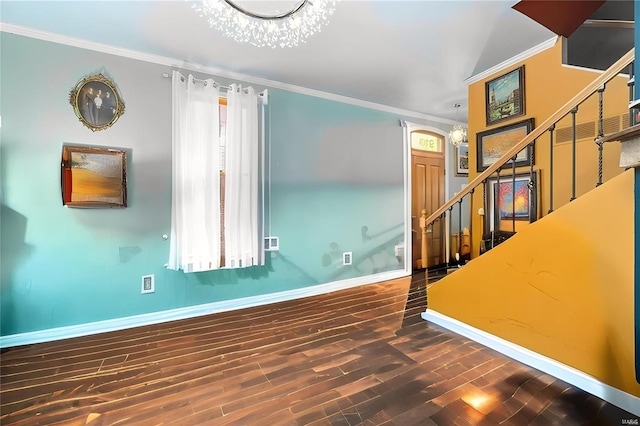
[{"x": 357, "y": 356}]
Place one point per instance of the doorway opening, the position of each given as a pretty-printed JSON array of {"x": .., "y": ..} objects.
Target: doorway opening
[{"x": 427, "y": 191}]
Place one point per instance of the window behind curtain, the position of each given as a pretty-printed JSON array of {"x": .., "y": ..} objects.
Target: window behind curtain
[{"x": 216, "y": 163}]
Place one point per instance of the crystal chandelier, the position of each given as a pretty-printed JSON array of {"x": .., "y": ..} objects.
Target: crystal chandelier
[
  {"x": 457, "y": 135},
  {"x": 285, "y": 29}
]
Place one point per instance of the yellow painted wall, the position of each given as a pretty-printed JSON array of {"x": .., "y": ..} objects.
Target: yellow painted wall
[
  {"x": 562, "y": 287},
  {"x": 548, "y": 86}
]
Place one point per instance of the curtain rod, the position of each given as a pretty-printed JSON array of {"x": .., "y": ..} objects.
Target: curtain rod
[{"x": 167, "y": 75}]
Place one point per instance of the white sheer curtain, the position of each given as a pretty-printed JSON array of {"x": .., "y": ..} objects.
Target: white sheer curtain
[
  {"x": 195, "y": 199},
  {"x": 242, "y": 247}
]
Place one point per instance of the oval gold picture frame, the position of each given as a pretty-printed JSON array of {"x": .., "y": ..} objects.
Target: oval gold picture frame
[{"x": 96, "y": 102}]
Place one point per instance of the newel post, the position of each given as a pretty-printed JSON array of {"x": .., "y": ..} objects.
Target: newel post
[{"x": 423, "y": 227}]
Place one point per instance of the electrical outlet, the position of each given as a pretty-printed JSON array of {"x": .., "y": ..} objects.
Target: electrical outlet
[
  {"x": 347, "y": 258},
  {"x": 271, "y": 243},
  {"x": 148, "y": 284}
]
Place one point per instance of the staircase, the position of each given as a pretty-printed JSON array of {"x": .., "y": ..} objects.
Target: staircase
[
  {"x": 559, "y": 293},
  {"x": 541, "y": 140}
]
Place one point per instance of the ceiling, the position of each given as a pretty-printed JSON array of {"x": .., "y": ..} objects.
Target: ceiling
[{"x": 411, "y": 55}]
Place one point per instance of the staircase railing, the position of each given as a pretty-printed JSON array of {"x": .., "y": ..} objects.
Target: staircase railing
[{"x": 570, "y": 107}]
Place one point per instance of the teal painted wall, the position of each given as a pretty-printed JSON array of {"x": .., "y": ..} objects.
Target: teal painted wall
[{"x": 334, "y": 168}]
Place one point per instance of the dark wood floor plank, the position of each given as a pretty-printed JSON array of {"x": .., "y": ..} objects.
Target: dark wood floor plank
[{"x": 360, "y": 356}]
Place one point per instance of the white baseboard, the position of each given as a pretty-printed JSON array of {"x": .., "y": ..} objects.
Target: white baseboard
[
  {"x": 190, "y": 311},
  {"x": 550, "y": 366}
]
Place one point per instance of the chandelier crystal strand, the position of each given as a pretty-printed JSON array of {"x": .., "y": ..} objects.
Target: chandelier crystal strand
[{"x": 284, "y": 30}]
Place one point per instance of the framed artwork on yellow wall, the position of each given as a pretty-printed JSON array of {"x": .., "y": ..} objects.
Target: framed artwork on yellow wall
[
  {"x": 509, "y": 203},
  {"x": 505, "y": 96},
  {"x": 493, "y": 144}
]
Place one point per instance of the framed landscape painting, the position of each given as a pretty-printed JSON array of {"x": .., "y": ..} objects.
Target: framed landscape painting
[
  {"x": 93, "y": 177},
  {"x": 505, "y": 96},
  {"x": 493, "y": 144},
  {"x": 462, "y": 160}
]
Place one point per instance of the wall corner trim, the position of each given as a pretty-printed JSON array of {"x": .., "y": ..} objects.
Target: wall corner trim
[
  {"x": 115, "y": 324},
  {"x": 512, "y": 61},
  {"x": 550, "y": 366}
]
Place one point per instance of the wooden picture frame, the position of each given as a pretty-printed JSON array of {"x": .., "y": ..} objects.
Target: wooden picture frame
[
  {"x": 96, "y": 102},
  {"x": 504, "y": 96},
  {"x": 93, "y": 177},
  {"x": 500, "y": 200},
  {"x": 461, "y": 158},
  {"x": 492, "y": 144}
]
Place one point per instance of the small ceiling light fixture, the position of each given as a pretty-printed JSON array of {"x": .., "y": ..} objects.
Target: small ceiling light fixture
[
  {"x": 301, "y": 19},
  {"x": 457, "y": 135}
]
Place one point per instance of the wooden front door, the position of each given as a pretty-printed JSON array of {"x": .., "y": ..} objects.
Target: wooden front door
[{"x": 428, "y": 186}]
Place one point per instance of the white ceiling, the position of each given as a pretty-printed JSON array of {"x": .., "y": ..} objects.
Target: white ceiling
[{"x": 412, "y": 55}]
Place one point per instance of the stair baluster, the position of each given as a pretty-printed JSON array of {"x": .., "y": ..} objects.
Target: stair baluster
[
  {"x": 574, "y": 111},
  {"x": 471, "y": 210},
  {"x": 513, "y": 193},
  {"x": 600, "y": 133},
  {"x": 459, "y": 251},
  {"x": 552, "y": 129},
  {"x": 631, "y": 85}
]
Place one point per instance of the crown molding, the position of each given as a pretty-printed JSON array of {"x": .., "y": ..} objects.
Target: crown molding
[
  {"x": 186, "y": 65},
  {"x": 513, "y": 60}
]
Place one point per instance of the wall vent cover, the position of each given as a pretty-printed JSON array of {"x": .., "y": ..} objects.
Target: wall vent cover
[{"x": 589, "y": 129}]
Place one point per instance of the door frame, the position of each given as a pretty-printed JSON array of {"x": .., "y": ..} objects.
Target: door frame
[{"x": 407, "y": 128}]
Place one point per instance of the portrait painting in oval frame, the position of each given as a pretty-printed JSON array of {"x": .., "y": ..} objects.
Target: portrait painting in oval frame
[{"x": 96, "y": 102}]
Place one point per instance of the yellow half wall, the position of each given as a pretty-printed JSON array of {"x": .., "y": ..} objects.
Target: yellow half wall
[{"x": 562, "y": 287}]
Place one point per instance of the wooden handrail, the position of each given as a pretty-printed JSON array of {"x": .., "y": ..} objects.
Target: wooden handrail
[{"x": 591, "y": 88}]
